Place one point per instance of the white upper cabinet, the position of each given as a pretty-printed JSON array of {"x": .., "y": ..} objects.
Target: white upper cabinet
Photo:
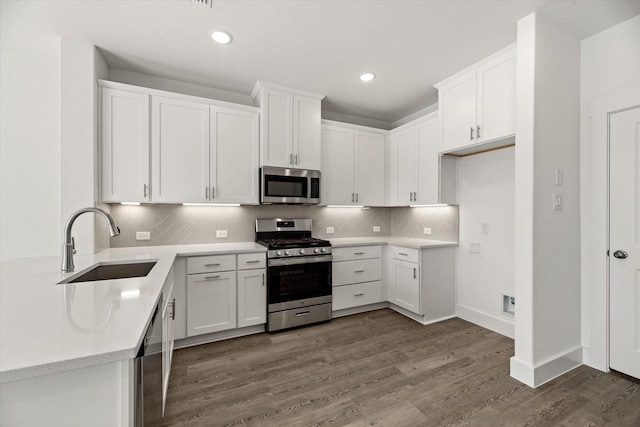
[
  {"x": 290, "y": 127},
  {"x": 180, "y": 151},
  {"x": 124, "y": 146},
  {"x": 478, "y": 105},
  {"x": 234, "y": 156},
  {"x": 414, "y": 177},
  {"x": 353, "y": 159}
]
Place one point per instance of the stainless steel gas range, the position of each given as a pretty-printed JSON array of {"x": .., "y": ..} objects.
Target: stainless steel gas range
[{"x": 298, "y": 273}]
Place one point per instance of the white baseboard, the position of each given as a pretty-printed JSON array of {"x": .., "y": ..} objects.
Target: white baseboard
[
  {"x": 361, "y": 309},
  {"x": 535, "y": 376},
  {"x": 218, "y": 336},
  {"x": 495, "y": 324}
]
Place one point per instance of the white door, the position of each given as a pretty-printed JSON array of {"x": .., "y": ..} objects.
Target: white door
[
  {"x": 405, "y": 181},
  {"x": 496, "y": 89},
  {"x": 337, "y": 158},
  {"x": 211, "y": 302},
  {"x": 306, "y": 133},
  {"x": 252, "y": 298},
  {"x": 179, "y": 151},
  {"x": 277, "y": 128},
  {"x": 234, "y": 156},
  {"x": 428, "y": 157},
  {"x": 457, "y": 104},
  {"x": 624, "y": 243},
  {"x": 369, "y": 168},
  {"x": 406, "y": 285}
]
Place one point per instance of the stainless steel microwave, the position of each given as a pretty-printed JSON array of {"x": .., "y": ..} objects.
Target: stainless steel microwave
[{"x": 289, "y": 186}]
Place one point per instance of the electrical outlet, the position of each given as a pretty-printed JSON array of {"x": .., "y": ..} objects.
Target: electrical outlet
[
  {"x": 376, "y": 228},
  {"x": 329, "y": 230},
  {"x": 222, "y": 234},
  {"x": 484, "y": 227},
  {"x": 508, "y": 304},
  {"x": 427, "y": 230},
  {"x": 558, "y": 202},
  {"x": 143, "y": 235},
  {"x": 474, "y": 247}
]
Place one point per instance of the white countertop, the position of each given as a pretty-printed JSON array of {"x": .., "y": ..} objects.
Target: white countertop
[
  {"x": 391, "y": 240},
  {"x": 47, "y": 328}
]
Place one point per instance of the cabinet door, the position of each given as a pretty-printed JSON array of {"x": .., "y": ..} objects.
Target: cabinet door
[
  {"x": 180, "y": 151},
  {"x": 457, "y": 104},
  {"x": 405, "y": 284},
  {"x": 234, "y": 156},
  {"x": 306, "y": 133},
  {"x": 125, "y": 146},
  {"x": 369, "y": 169},
  {"x": 252, "y": 298},
  {"x": 277, "y": 128},
  {"x": 338, "y": 160},
  {"x": 406, "y": 164},
  {"x": 497, "y": 98},
  {"x": 168, "y": 316},
  {"x": 428, "y": 157},
  {"x": 211, "y": 302}
]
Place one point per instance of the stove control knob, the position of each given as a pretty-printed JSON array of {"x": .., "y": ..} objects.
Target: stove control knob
[
  {"x": 302, "y": 251},
  {"x": 316, "y": 250},
  {"x": 287, "y": 253},
  {"x": 278, "y": 253},
  {"x": 324, "y": 250}
]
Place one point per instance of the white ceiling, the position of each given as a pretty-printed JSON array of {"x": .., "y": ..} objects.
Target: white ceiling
[{"x": 316, "y": 46}]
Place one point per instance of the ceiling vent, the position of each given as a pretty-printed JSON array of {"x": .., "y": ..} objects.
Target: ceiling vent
[{"x": 203, "y": 2}]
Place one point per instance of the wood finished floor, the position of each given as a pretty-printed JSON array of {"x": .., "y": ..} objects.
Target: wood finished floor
[{"x": 382, "y": 369}]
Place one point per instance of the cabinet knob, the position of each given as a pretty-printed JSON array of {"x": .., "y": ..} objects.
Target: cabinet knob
[{"x": 471, "y": 135}]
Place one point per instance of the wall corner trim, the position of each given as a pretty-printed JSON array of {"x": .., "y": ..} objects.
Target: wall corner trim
[{"x": 535, "y": 376}]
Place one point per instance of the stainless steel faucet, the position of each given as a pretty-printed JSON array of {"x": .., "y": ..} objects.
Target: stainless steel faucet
[{"x": 69, "y": 247}]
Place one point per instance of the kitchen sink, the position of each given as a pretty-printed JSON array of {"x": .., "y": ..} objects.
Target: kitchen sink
[{"x": 111, "y": 271}]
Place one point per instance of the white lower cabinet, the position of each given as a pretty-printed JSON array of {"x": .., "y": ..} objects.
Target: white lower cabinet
[
  {"x": 356, "y": 276},
  {"x": 168, "y": 318},
  {"x": 211, "y": 302},
  {"x": 422, "y": 281},
  {"x": 252, "y": 297},
  {"x": 225, "y": 292}
]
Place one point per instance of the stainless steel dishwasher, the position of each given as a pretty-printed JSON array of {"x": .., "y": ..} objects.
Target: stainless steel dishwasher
[{"x": 148, "y": 374}]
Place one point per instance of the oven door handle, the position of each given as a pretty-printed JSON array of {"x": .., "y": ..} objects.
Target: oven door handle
[{"x": 300, "y": 260}]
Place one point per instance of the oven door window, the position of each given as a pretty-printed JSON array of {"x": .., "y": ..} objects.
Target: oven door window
[
  {"x": 294, "y": 282},
  {"x": 285, "y": 186}
]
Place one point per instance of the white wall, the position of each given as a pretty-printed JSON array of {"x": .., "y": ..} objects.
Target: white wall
[
  {"x": 29, "y": 148},
  {"x": 547, "y": 251},
  {"x": 486, "y": 191},
  {"x": 610, "y": 64}
]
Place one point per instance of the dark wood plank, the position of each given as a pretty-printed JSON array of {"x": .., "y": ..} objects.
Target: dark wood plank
[{"x": 382, "y": 369}]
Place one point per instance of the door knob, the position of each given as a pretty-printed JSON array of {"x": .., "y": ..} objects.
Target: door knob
[{"x": 620, "y": 254}]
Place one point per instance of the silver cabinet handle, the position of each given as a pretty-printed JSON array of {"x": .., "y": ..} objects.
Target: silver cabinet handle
[
  {"x": 144, "y": 191},
  {"x": 358, "y": 253},
  {"x": 253, "y": 261},
  {"x": 358, "y": 294},
  {"x": 212, "y": 265},
  {"x": 415, "y": 272},
  {"x": 211, "y": 277},
  {"x": 415, "y": 196},
  {"x": 206, "y": 193},
  {"x": 356, "y": 197},
  {"x": 410, "y": 196},
  {"x": 303, "y": 313},
  {"x": 295, "y": 159},
  {"x": 358, "y": 271},
  {"x": 213, "y": 190},
  {"x": 173, "y": 309},
  {"x": 262, "y": 279},
  {"x": 620, "y": 254},
  {"x": 471, "y": 135},
  {"x": 403, "y": 254},
  {"x": 478, "y": 132},
  {"x": 353, "y": 197}
]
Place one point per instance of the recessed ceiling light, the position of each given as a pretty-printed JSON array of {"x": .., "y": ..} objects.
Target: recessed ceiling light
[
  {"x": 367, "y": 77},
  {"x": 221, "y": 37}
]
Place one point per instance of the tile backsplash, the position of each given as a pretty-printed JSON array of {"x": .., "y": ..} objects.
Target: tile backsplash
[{"x": 177, "y": 224}]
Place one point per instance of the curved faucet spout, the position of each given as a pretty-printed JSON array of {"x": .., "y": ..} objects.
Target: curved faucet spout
[{"x": 69, "y": 245}]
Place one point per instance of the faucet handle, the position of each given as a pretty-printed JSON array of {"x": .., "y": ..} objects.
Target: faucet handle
[{"x": 73, "y": 245}]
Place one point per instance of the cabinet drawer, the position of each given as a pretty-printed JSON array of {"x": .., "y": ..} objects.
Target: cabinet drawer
[
  {"x": 251, "y": 261},
  {"x": 347, "y": 272},
  {"x": 210, "y": 263},
  {"x": 357, "y": 252},
  {"x": 405, "y": 254},
  {"x": 357, "y": 295}
]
